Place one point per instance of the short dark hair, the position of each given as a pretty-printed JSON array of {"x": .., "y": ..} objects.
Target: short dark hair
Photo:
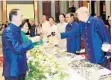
[
  {"x": 73, "y": 15},
  {"x": 51, "y": 18},
  {"x": 12, "y": 12}
]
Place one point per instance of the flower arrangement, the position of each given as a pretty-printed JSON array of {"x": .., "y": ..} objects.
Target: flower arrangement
[{"x": 43, "y": 67}]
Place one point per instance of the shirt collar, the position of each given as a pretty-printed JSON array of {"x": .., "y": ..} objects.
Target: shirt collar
[
  {"x": 71, "y": 23},
  {"x": 89, "y": 19},
  {"x": 16, "y": 28}
]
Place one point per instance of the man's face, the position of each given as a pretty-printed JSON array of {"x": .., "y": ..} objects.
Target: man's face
[
  {"x": 18, "y": 17},
  {"x": 51, "y": 21},
  {"x": 43, "y": 19},
  {"x": 80, "y": 16},
  {"x": 69, "y": 19},
  {"x": 31, "y": 22}
]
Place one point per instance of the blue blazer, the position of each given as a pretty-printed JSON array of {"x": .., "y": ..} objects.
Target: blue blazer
[
  {"x": 94, "y": 33},
  {"x": 73, "y": 42},
  {"x": 14, "y": 51}
]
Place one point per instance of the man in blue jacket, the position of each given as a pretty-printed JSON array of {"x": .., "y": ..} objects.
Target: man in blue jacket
[
  {"x": 14, "y": 64},
  {"x": 94, "y": 34},
  {"x": 73, "y": 42}
]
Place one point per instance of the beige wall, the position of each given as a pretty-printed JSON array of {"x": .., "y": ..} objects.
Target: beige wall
[
  {"x": 53, "y": 9},
  {"x": 63, "y": 6},
  {"x": 26, "y": 9},
  {"x": 108, "y": 8},
  {"x": 40, "y": 7}
]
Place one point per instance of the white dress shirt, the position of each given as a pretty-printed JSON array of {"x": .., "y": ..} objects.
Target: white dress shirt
[
  {"x": 45, "y": 30},
  {"x": 61, "y": 27}
]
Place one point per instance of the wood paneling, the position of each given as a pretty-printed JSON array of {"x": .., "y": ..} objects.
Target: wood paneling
[
  {"x": 4, "y": 11},
  {"x": 85, "y": 3},
  {"x": 47, "y": 8},
  {"x": 36, "y": 10}
]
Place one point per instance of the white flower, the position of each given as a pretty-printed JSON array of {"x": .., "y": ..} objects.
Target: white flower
[{"x": 33, "y": 63}]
